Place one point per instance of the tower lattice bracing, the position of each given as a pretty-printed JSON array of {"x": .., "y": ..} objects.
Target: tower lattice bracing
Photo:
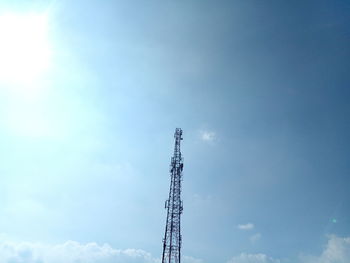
[{"x": 172, "y": 237}]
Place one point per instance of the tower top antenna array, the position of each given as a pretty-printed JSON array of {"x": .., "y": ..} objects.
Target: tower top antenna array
[{"x": 172, "y": 237}]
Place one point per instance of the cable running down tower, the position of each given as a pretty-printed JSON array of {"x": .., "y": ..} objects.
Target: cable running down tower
[{"x": 172, "y": 237}]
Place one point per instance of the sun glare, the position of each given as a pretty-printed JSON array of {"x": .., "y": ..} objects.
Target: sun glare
[{"x": 24, "y": 47}]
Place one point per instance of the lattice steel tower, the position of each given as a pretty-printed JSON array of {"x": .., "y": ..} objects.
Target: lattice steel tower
[{"x": 172, "y": 237}]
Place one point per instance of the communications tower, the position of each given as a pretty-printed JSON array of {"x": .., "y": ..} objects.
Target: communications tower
[{"x": 172, "y": 236}]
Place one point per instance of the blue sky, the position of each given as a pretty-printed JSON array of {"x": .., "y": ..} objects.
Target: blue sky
[{"x": 92, "y": 91}]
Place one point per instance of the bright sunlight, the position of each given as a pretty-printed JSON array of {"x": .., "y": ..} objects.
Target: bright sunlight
[{"x": 24, "y": 47}]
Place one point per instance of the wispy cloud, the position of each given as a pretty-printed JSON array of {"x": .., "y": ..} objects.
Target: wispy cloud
[
  {"x": 254, "y": 238},
  {"x": 200, "y": 200},
  {"x": 74, "y": 252},
  {"x": 248, "y": 226},
  {"x": 70, "y": 252},
  {"x": 336, "y": 251},
  {"x": 207, "y": 136},
  {"x": 187, "y": 259},
  {"x": 253, "y": 258}
]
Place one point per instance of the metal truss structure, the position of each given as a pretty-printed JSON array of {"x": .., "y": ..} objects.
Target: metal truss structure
[{"x": 172, "y": 237}]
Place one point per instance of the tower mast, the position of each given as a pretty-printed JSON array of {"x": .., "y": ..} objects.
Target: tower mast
[{"x": 172, "y": 236}]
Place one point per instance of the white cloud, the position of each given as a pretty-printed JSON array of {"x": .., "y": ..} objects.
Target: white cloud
[
  {"x": 336, "y": 251},
  {"x": 70, "y": 252},
  {"x": 187, "y": 259},
  {"x": 255, "y": 238},
  {"x": 73, "y": 252},
  {"x": 247, "y": 226},
  {"x": 253, "y": 258},
  {"x": 208, "y": 136},
  {"x": 202, "y": 200}
]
